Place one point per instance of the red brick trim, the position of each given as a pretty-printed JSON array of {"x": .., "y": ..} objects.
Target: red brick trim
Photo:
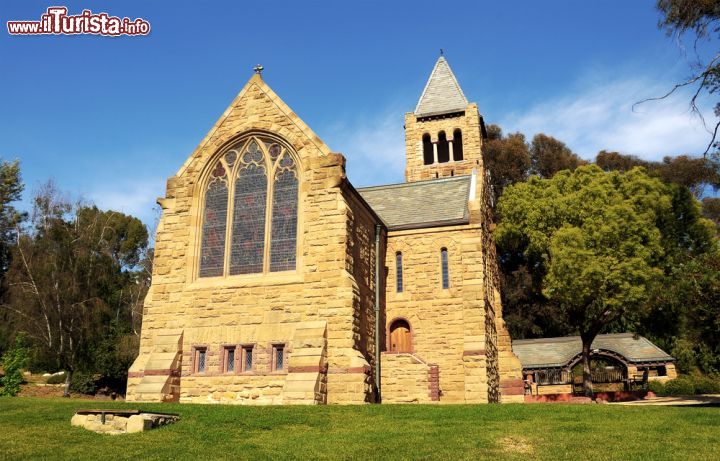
[
  {"x": 512, "y": 387},
  {"x": 135, "y": 374},
  {"x": 434, "y": 383},
  {"x": 475, "y": 352}
]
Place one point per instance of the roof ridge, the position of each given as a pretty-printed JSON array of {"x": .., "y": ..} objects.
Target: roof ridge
[
  {"x": 415, "y": 183},
  {"x": 626, "y": 334}
]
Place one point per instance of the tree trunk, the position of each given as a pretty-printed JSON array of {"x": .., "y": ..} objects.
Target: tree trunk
[
  {"x": 587, "y": 373},
  {"x": 68, "y": 378}
]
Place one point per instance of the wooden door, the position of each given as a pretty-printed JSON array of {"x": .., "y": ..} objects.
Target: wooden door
[{"x": 400, "y": 337}]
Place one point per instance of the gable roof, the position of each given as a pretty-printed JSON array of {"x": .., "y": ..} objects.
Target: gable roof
[
  {"x": 437, "y": 202},
  {"x": 269, "y": 103},
  {"x": 442, "y": 93},
  {"x": 558, "y": 352}
]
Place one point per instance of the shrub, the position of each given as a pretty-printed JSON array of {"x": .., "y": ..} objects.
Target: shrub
[
  {"x": 706, "y": 385},
  {"x": 13, "y": 361},
  {"x": 658, "y": 387},
  {"x": 83, "y": 383},
  {"x": 682, "y": 385},
  {"x": 56, "y": 379}
]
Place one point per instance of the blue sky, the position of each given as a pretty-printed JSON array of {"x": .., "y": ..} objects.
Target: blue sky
[{"x": 109, "y": 119}]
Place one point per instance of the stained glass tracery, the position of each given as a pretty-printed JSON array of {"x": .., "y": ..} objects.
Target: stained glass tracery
[
  {"x": 284, "y": 216},
  {"x": 246, "y": 178},
  {"x": 212, "y": 252}
]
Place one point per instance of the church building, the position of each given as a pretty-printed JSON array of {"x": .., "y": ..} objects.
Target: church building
[{"x": 275, "y": 281}]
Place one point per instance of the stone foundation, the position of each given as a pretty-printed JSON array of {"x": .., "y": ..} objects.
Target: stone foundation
[{"x": 117, "y": 422}]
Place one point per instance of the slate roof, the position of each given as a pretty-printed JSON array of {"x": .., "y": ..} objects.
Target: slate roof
[
  {"x": 558, "y": 352},
  {"x": 437, "y": 202},
  {"x": 442, "y": 93}
]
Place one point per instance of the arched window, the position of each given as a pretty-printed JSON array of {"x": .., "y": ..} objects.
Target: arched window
[
  {"x": 400, "y": 336},
  {"x": 261, "y": 224},
  {"x": 444, "y": 268},
  {"x": 212, "y": 260},
  {"x": 457, "y": 145},
  {"x": 284, "y": 216},
  {"x": 428, "y": 155},
  {"x": 443, "y": 149},
  {"x": 398, "y": 272},
  {"x": 248, "y": 223}
]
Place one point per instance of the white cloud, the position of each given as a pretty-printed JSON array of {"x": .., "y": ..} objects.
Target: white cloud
[
  {"x": 599, "y": 115},
  {"x": 135, "y": 197},
  {"x": 374, "y": 147}
]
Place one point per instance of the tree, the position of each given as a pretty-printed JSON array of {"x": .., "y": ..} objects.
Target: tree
[
  {"x": 595, "y": 238},
  {"x": 702, "y": 19},
  {"x": 68, "y": 274},
  {"x": 549, "y": 155},
  {"x": 692, "y": 172},
  {"x": 711, "y": 209},
  {"x": 615, "y": 161},
  {"x": 506, "y": 158},
  {"x": 11, "y": 188},
  {"x": 13, "y": 361},
  {"x": 695, "y": 173}
]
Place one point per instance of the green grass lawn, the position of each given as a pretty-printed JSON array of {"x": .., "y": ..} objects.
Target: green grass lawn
[{"x": 40, "y": 429}]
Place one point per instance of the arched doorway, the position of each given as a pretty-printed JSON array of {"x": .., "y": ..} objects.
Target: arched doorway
[{"x": 400, "y": 336}]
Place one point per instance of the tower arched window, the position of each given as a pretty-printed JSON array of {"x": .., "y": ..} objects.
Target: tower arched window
[
  {"x": 250, "y": 201},
  {"x": 398, "y": 272},
  {"x": 443, "y": 150},
  {"x": 428, "y": 155},
  {"x": 444, "y": 271},
  {"x": 457, "y": 145}
]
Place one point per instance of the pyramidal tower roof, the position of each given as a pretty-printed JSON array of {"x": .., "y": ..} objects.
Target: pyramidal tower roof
[{"x": 442, "y": 93}]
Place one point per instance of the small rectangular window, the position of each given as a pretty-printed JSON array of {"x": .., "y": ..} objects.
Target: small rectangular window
[
  {"x": 398, "y": 272},
  {"x": 278, "y": 357},
  {"x": 247, "y": 359},
  {"x": 229, "y": 359},
  {"x": 200, "y": 359},
  {"x": 445, "y": 271}
]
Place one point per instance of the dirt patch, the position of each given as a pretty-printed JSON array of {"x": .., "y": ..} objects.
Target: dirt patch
[
  {"x": 56, "y": 390},
  {"x": 516, "y": 444}
]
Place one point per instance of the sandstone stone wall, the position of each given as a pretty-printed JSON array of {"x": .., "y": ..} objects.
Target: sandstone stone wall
[
  {"x": 447, "y": 325},
  {"x": 415, "y": 128},
  {"x": 406, "y": 378},
  {"x": 264, "y": 309}
]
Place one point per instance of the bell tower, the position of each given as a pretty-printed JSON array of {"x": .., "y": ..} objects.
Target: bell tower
[{"x": 444, "y": 135}]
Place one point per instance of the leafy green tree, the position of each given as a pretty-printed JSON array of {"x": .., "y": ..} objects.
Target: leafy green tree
[
  {"x": 595, "y": 239},
  {"x": 68, "y": 276},
  {"x": 685, "y": 319},
  {"x": 711, "y": 209},
  {"x": 549, "y": 155},
  {"x": 14, "y": 360}
]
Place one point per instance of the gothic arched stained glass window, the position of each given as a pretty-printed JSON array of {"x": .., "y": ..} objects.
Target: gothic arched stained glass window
[
  {"x": 284, "y": 216},
  {"x": 247, "y": 248},
  {"x": 212, "y": 252},
  {"x": 259, "y": 182}
]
